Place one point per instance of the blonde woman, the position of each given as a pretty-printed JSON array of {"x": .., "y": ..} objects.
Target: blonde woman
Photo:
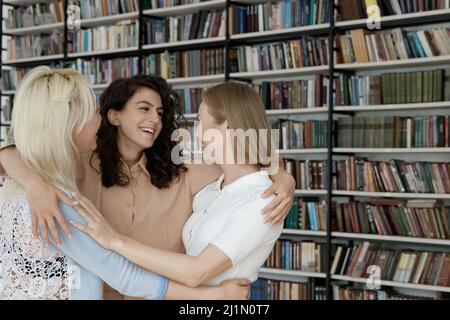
[
  {"x": 226, "y": 236},
  {"x": 54, "y": 120}
]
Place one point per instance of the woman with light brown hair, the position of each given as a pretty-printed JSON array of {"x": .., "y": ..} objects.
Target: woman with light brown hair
[{"x": 226, "y": 236}]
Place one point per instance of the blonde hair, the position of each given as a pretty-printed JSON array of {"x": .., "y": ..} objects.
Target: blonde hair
[
  {"x": 48, "y": 105},
  {"x": 242, "y": 108}
]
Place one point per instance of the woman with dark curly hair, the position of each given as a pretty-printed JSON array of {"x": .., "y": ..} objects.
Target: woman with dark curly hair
[{"x": 131, "y": 178}]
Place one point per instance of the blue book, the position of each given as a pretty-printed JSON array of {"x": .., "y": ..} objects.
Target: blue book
[
  {"x": 418, "y": 45},
  {"x": 187, "y": 101},
  {"x": 312, "y": 216},
  {"x": 287, "y": 14},
  {"x": 312, "y": 5}
]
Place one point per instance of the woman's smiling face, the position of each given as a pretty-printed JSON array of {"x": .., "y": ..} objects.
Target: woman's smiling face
[{"x": 140, "y": 121}]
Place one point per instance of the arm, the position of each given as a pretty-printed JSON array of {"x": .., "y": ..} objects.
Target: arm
[
  {"x": 217, "y": 257},
  {"x": 284, "y": 190},
  {"x": 42, "y": 197},
  {"x": 131, "y": 280},
  {"x": 112, "y": 268}
]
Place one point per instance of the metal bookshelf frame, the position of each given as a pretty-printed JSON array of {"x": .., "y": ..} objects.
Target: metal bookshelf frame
[{"x": 329, "y": 29}]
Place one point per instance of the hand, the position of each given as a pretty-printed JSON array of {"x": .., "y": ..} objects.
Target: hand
[
  {"x": 43, "y": 202},
  {"x": 283, "y": 189},
  {"x": 234, "y": 289},
  {"x": 97, "y": 227}
]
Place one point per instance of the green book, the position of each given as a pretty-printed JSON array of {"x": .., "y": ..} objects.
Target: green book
[
  {"x": 419, "y": 87},
  {"x": 437, "y": 85}
]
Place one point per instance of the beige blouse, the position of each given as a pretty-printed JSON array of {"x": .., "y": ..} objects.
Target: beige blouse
[{"x": 141, "y": 211}]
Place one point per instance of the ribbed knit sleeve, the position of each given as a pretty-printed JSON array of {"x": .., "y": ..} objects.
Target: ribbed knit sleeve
[{"x": 245, "y": 230}]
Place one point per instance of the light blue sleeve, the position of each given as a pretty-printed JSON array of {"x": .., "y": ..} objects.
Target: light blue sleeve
[{"x": 114, "y": 269}]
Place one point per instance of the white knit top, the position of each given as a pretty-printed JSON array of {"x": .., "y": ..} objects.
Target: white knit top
[{"x": 230, "y": 218}]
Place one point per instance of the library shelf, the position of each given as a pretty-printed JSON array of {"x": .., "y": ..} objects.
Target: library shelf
[
  {"x": 424, "y": 287},
  {"x": 434, "y": 16},
  {"x": 395, "y": 107},
  {"x": 281, "y": 73},
  {"x": 400, "y": 195},
  {"x": 185, "y": 43},
  {"x": 33, "y": 59},
  {"x": 263, "y": 272},
  {"x": 391, "y": 150},
  {"x": 185, "y": 9},
  {"x": 46, "y": 28},
  {"x": 378, "y": 237},
  {"x": 404, "y": 63}
]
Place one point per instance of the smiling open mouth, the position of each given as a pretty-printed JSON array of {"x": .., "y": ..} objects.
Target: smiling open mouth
[{"x": 147, "y": 130}]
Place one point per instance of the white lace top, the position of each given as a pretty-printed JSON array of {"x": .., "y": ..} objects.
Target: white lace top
[
  {"x": 75, "y": 270},
  {"x": 28, "y": 268}
]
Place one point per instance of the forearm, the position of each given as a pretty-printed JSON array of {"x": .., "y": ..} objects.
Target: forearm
[
  {"x": 175, "y": 266},
  {"x": 115, "y": 270},
  {"x": 177, "y": 291},
  {"x": 15, "y": 167}
]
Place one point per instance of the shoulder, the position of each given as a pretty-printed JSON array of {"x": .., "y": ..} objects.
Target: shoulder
[{"x": 200, "y": 175}]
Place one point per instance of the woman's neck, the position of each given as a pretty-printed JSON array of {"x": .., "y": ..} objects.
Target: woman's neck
[
  {"x": 232, "y": 172},
  {"x": 130, "y": 154}
]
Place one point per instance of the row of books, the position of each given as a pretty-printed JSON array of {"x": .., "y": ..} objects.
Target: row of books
[
  {"x": 307, "y": 214},
  {"x": 305, "y": 52},
  {"x": 393, "y": 217},
  {"x": 35, "y": 45},
  {"x": 360, "y": 174},
  {"x": 392, "y": 88},
  {"x": 35, "y": 15},
  {"x": 294, "y": 94},
  {"x": 345, "y": 292},
  {"x": 101, "y": 8},
  {"x": 283, "y": 14},
  {"x": 393, "y": 132},
  {"x": 11, "y": 78},
  {"x": 122, "y": 35},
  {"x": 359, "y": 46},
  {"x": 155, "y": 4},
  {"x": 308, "y": 174},
  {"x": 185, "y": 63},
  {"x": 305, "y": 256},
  {"x": 357, "y": 9},
  {"x": 202, "y": 24},
  {"x": 356, "y": 90},
  {"x": 295, "y": 134},
  {"x": 264, "y": 289},
  {"x": 398, "y": 265},
  {"x": 6, "y": 108},
  {"x": 191, "y": 98},
  {"x": 413, "y": 218},
  {"x": 98, "y": 71}
]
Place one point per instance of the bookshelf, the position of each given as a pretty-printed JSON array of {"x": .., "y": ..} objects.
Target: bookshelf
[{"x": 326, "y": 112}]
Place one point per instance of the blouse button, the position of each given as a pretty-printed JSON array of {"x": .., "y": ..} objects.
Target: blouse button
[
  {"x": 190, "y": 233},
  {"x": 129, "y": 204}
]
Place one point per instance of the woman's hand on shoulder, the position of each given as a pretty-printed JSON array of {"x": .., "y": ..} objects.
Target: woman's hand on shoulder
[
  {"x": 43, "y": 201},
  {"x": 283, "y": 189}
]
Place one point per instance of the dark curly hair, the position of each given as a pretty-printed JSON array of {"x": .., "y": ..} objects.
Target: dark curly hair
[{"x": 159, "y": 164}]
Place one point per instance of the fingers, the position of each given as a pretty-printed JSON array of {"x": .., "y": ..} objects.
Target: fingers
[
  {"x": 280, "y": 218},
  {"x": 62, "y": 222},
  {"x": 279, "y": 213},
  {"x": 272, "y": 205},
  {"x": 81, "y": 227},
  {"x": 43, "y": 228},
  {"x": 65, "y": 198},
  {"x": 269, "y": 191},
  {"x": 88, "y": 206},
  {"x": 53, "y": 230},
  {"x": 86, "y": 216},
  {"x": 34, "y": 225}
]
